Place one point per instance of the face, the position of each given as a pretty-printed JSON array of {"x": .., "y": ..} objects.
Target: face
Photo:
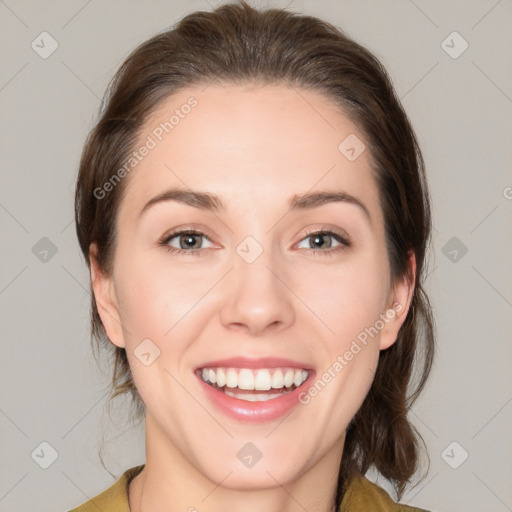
[{"x": 263, "y": 265}]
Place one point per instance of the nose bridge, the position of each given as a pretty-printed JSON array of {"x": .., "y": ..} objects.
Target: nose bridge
[{"x": 256, "y": 298}]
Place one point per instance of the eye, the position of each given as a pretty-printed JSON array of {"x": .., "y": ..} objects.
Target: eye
[
  {"x": 193, "y": 242},
  {"x": 324, "y": 241},
  {"x": 186, "y": 241}
]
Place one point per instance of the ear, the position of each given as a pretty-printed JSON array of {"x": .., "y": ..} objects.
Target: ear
[
  {"x": 106, "y": 299},
  {"x": 399, "y": 302}
]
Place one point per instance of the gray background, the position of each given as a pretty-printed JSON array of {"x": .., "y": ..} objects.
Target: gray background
[{"x": 51, "y": 388}]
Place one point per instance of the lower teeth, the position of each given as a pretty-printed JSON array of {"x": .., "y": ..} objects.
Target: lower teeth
[{"x": 253, "y": 396}]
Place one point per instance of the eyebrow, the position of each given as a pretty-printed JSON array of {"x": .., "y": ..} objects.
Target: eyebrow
[{"x": 211, "y": 202}]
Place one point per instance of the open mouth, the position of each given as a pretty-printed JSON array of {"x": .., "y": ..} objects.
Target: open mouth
[{"x": 254, "y": 385}]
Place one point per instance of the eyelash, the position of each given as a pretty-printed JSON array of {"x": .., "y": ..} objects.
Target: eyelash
[{"x": 343, "y": 241}]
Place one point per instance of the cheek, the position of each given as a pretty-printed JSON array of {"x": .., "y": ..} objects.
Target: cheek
[
  {"x": 166, "y": 305},
  {"x": 347, "y": 298},
  {"x": 156, "y": 297}
]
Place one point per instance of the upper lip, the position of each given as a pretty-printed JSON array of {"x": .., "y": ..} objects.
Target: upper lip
[{"x": 250, "y": 362}]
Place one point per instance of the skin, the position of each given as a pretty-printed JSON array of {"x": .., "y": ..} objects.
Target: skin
[{"x": 254, "y": 147}]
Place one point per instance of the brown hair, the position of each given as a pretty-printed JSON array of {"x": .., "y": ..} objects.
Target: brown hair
[{"x": 238, "y": 44}]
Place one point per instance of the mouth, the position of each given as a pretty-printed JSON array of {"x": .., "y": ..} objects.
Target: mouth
[
  {"x": 254, "y": 384},
  {"x": 254, "y": 390}
]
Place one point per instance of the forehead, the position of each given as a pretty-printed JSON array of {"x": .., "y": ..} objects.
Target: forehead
[{"x": 248, "y": 144}]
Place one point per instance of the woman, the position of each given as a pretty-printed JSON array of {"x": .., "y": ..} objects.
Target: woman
[{"x": 253, "y": 209}]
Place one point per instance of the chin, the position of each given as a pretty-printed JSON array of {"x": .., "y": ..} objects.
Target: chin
[{"x": 256, "y": 478}]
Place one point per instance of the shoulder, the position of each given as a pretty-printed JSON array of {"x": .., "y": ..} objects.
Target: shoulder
[
  {"x": 365, "y": 496},
  {"x": 115, "y": 498}
]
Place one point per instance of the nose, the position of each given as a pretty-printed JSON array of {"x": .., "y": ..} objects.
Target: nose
[{"x": 257, "y": 299}]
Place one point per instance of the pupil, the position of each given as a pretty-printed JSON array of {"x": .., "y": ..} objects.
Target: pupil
[
  {"x": 319, "y": 241},
  {"x": 188, "y": 240}
]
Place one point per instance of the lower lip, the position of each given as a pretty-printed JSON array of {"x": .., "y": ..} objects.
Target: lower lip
[{"x": 242, "y": 410}]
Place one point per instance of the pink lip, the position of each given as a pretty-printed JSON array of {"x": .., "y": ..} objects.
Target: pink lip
[
  {"x": 261, "y": 362},
  {"x": 242, "y": 410}
]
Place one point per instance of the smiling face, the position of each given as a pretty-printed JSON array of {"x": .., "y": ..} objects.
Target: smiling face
[{"x": 283, "y": 257}]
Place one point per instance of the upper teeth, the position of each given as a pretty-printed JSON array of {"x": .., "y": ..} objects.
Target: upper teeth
[{"x": 263, "y": 379}]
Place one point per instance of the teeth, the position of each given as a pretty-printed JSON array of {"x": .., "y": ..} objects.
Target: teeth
[
  {"x": 260, "y": 380},
  {"x": 221, "y": 377},
  {"x": 278, "y": 379},
  {"x": 231, "y": 378},
  {"x": 263, "y": 380},
  {"x": 245, "y": 380},
  {"x": 297, "y": 378},
  {"x": 254, "y": 397},
  {"x": 288, "y": 378}
]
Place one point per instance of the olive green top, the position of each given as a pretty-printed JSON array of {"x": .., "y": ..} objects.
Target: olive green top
[{"x": 361, "y": 496}]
